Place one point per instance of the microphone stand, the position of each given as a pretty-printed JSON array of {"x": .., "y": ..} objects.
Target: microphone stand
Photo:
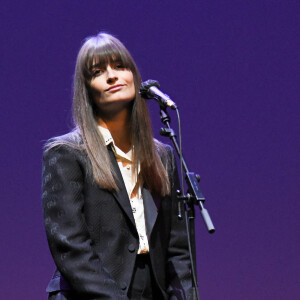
[{"x": 193, "y": 197}]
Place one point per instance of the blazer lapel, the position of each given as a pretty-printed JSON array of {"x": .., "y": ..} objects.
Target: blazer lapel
[
  {"x": 121, "y": 196},
  {"x": 151, "y": 210},
  {"x": 151, "y": 205}
]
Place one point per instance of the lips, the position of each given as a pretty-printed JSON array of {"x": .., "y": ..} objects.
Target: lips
[{"x": 114, "y": 87}]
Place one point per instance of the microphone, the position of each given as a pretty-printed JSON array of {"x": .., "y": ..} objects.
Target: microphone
[{"x": 150, "y": 90}]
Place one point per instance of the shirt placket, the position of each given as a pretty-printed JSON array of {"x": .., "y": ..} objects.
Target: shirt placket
[{"x": 131, "y": 184}]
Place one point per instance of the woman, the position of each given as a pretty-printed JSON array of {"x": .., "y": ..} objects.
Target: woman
[{"x": 109, "y": 190}]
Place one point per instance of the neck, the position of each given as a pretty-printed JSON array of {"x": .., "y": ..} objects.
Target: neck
[{"x": 119, "y": 127}]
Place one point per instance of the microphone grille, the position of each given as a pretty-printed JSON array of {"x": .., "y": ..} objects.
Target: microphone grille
[{"x": 145, "y": 86}]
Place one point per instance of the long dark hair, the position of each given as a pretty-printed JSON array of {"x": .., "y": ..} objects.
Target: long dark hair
[{"x": 105, "y": 49}]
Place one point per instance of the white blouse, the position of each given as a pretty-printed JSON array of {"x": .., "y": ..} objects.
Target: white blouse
[{"x": 132, "y": 186}]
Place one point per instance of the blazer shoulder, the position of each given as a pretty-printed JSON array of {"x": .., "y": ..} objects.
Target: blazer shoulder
[
  {"x": 65, "y": 153},
  {"x": 161, "y": 147},
  {"x": 167, "y": 155},
  {"x": 72, "y": 140},
  {"x": 165, "y": 151}
]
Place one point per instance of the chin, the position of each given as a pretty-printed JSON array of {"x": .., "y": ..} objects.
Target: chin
[{"x": 115, "y": 104}]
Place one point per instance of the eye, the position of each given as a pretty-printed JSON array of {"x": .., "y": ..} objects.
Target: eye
[
  {"x": 96, "y": 72},
  {"x": 119, "y": 66}
]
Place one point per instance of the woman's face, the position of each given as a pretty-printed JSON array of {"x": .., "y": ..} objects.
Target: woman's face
[{"x": 112, "y": 86}]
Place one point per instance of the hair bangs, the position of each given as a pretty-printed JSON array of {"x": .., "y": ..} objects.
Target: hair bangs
[{"x": 103, "y": 52}]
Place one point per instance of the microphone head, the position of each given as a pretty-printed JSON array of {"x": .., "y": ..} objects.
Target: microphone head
[{"x": 145, "y": 88}]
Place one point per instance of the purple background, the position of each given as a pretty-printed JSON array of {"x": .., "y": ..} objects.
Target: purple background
[{"x": 231, "y": 66}]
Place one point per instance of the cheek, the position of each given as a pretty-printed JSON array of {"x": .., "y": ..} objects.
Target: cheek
[
  {"x": 97, "y": 85},
  {"x": 95, "y": 92},
  {"x": 132, "y": 91},
  {"x": 131, "y": 84}
]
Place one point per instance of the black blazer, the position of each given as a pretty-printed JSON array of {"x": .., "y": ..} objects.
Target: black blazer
[{"x": 92, "y": 235}]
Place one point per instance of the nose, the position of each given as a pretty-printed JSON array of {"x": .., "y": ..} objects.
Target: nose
[{"x": 111, "y": 75}]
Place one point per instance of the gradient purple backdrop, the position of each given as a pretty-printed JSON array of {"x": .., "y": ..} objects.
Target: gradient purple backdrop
[{"x": 233, "y": 69}]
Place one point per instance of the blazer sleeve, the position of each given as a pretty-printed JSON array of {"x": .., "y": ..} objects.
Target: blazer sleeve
[
  {"x": 66, "y": 229},
  {"x": 178, "y": 263}
]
